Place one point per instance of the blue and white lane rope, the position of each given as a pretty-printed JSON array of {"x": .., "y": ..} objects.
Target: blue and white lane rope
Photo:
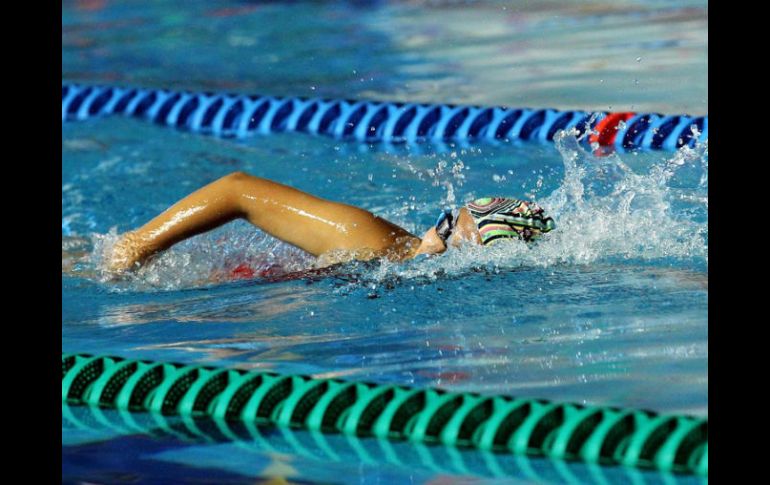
[{"x": 240, "y": 116}]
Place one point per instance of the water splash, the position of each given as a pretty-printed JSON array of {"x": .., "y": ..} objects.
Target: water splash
[
  {"x": 230, "y": 253},
  {"x": 605, "y": 211}
]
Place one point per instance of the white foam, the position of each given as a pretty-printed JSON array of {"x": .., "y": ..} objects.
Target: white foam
[{"x": 604, "y": 211}]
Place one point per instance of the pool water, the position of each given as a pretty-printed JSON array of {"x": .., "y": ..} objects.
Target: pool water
[{"x": 610, "y": 308}]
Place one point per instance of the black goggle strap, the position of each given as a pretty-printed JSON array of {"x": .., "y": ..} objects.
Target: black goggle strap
[{"x": 445, "y": 225}]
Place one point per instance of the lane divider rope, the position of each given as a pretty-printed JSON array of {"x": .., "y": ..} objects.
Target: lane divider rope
[
  {"x": 592, "y": 434},
  {"x": 329, "y": 448},
  {"x": 240, "y": 116}
]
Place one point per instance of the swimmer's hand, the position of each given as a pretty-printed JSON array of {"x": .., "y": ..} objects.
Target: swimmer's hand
[
  {"x": 431, "y": 243},
  {"x": 128, "y": 254}
]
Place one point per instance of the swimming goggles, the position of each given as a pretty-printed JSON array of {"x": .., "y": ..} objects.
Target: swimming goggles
[{"x": 445, "y": 225}]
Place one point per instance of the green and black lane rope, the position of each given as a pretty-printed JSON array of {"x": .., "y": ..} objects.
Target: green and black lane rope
[
  {"x": 329, "y": 448},
  {"x": 592, "y": 434}
]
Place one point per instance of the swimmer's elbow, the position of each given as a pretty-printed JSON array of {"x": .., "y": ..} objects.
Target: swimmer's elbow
[
  {"x": 233, "y": 186},
  {"x": 235, "y": 177}
]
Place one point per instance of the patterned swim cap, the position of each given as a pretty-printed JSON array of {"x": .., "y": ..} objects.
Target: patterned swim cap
[{"x": 501, "y": 218}]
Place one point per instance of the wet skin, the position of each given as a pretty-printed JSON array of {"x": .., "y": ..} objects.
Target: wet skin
[{"x": 332, "y": 231}]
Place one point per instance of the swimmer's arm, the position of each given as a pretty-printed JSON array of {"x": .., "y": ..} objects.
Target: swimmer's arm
[{"x": 303, "y": 220}]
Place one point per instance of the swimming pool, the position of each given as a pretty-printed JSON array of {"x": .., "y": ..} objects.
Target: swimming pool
[{"x": 610, "y": 309}]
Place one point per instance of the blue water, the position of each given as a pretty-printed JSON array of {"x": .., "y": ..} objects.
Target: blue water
[{"x": 609, "y": 309}]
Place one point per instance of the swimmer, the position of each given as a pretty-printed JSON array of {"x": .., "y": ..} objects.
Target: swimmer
[{"x": 331, "y": 231}]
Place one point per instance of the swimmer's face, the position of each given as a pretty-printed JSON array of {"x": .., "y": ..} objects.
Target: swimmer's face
[{"x": 465, "y": 231}]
